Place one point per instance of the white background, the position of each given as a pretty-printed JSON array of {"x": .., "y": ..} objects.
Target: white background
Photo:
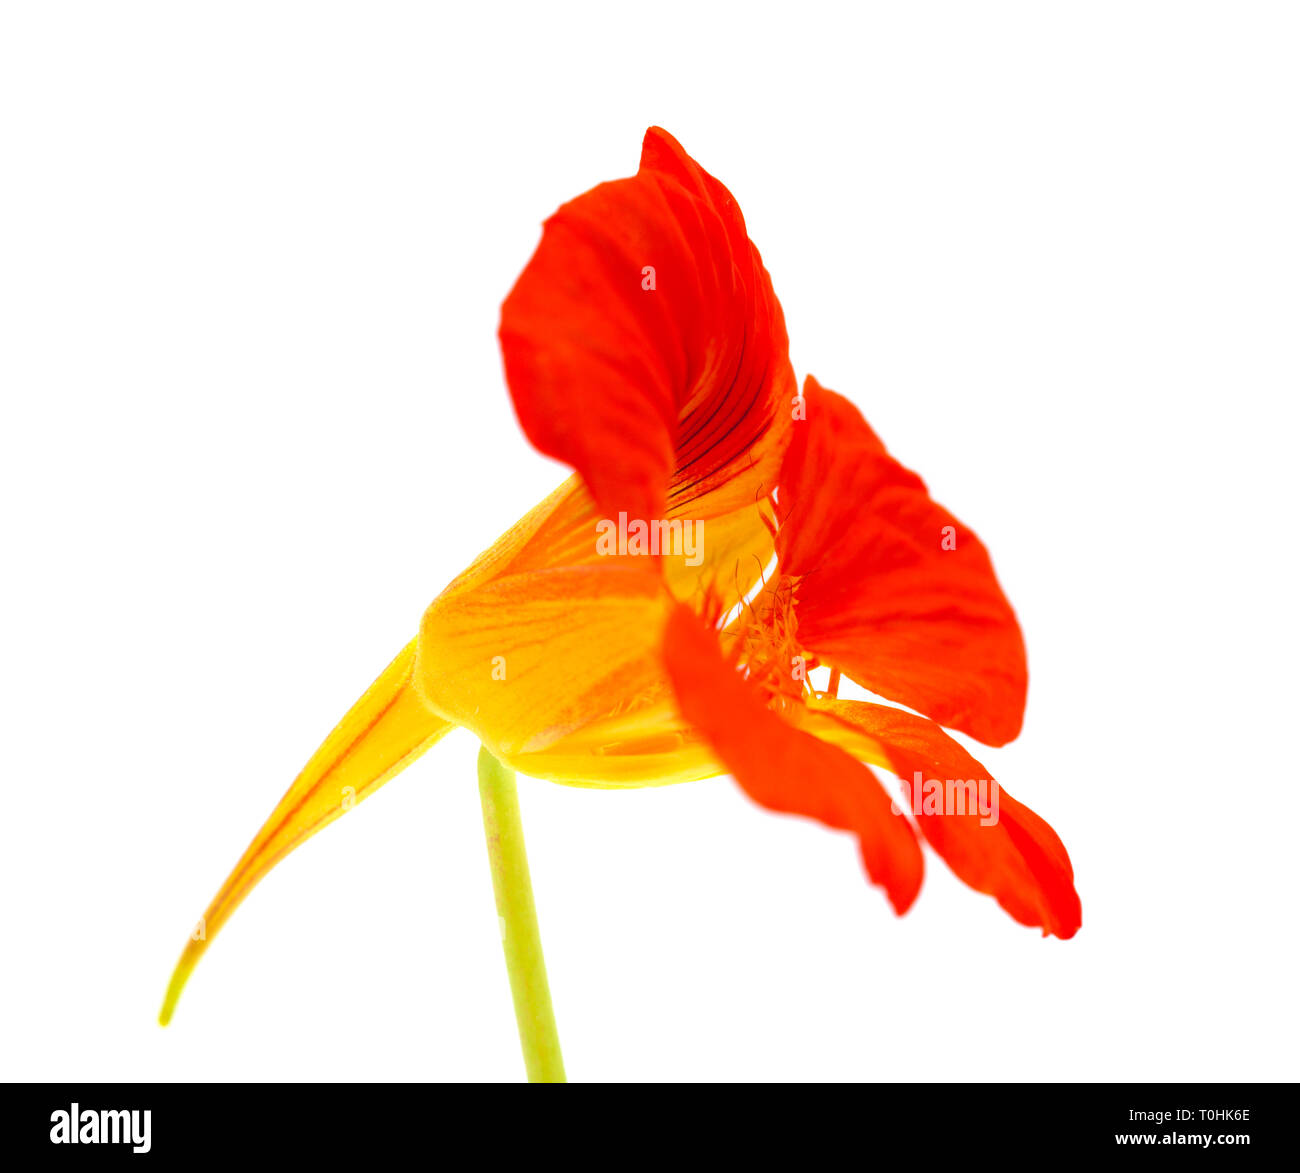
[{"x": 251, "y": 261}]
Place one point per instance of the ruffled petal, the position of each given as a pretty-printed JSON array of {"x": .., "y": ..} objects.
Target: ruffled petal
[
  {"x": 781, "y": 767},
  {"x": 1018, "y": 859},
  {"x": 894, "y": 590},
  {"x": 644, "y": 346}
]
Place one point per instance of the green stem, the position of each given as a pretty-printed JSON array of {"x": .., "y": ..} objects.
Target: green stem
[{"x": 518, "y": 917}]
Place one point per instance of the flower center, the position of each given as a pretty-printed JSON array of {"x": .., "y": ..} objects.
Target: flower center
[{"x": 774, "y": 662}]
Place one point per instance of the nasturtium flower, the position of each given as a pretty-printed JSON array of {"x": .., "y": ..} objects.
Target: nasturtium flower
[{"x": 644, "y": 346}]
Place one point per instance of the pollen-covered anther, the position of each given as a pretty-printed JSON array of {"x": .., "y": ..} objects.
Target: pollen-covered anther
[{"x": 773, "y": 660}]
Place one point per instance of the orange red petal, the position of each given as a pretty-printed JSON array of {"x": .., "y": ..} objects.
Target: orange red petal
[
  {"x": 643, "y": 344},
  {"x": 783, "y": 768},
  {"x": 894, "y": 590},
  {"x": 1019, "y": 860}
]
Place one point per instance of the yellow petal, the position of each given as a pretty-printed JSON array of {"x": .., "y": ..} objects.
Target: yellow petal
[
  {"x": 736, "y": 542},
  {"x": 526, "y": 660},
  {"x": 551, "y": 652}
]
